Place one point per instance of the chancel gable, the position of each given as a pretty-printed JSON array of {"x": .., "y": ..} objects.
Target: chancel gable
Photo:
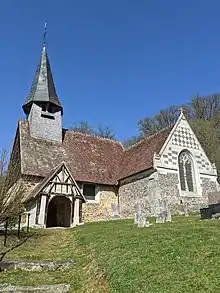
[{"x": 183, "y": 154}]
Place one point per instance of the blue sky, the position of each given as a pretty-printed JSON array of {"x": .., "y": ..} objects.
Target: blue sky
[{"x": 114, "y": 62}]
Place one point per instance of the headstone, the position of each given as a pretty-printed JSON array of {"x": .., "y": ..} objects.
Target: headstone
[
  {"x": 106, "y": 213},
  {"x": 155, "y": 201},
  {"x": 166, "y": 209},
  {"x": 186, "y": 210},
  {"x": 141, "y": 221},
  {"x": 162, "y": 211},
  {"x": 160, "y": 218},
  {"x": 136, "y": 213},
  {"x": 168, "y": 216},
  {"x": 142, "y": 213},
  {"x": 115, "y": 211}
]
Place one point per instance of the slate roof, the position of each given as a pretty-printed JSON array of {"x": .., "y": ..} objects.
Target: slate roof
[
  {"x": 89, "y": 158},
  {"x": 43, "y": 88}
]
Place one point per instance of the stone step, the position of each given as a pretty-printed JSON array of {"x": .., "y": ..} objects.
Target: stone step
[
  {"x": 59, "y": 288},
  {"x": 35, "y": 265}
]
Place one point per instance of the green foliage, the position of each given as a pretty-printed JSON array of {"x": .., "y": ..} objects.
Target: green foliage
[
  {"x": 117, "y": 257},
  {"x": 204, "y": 115},
  {"x": 208, "y": 137}
]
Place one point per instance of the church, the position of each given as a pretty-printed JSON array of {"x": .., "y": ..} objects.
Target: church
[{"x": 70, "y": 178}]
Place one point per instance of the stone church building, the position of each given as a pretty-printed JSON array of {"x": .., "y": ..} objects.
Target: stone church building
[{"x": 70, "y": 178}]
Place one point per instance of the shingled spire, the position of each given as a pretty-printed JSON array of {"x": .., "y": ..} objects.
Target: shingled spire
[
  {"x": 42, "y": 107},
  {"x": 43, "y": 88}
]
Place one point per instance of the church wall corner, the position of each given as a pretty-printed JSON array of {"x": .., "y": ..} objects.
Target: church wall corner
[{"x": 101, "y": 210}]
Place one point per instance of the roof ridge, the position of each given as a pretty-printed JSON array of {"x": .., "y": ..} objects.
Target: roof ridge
[
  {"x": 149, "y": 137},
  {"x": 96, "y": 136}
]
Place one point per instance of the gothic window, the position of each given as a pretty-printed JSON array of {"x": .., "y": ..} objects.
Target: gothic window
[{"x": 186, "y": 172}]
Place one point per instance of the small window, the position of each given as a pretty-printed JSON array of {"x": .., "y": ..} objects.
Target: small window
[
  {"x": 48, "y": 116},
  {"x": 89, "y": 191}
]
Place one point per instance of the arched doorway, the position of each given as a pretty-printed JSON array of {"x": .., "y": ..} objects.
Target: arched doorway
[{"x": 59, "y": 212}]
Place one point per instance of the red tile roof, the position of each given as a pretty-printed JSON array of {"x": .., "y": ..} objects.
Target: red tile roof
[
  {"x": 89, "y": 158},
  {"x": 139, "y": 157}
]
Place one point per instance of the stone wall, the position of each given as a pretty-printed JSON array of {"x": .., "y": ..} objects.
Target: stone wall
[
  {"x": 208, "y": 186},
  {"x": 100, "y": 210},
  {"x": 144, "y": 189},
  {"x": 130, "y": 193},
  {"x": 43, "y": 127},
  {"x": 169, "y": 184},
  {"x": 169, "y": 187}
]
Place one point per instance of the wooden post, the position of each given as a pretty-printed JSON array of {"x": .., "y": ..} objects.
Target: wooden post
[
  {"x": 19, "y": 225},
  {"x": 28, "y": 222},
  {"x": 6, "y": 231}
]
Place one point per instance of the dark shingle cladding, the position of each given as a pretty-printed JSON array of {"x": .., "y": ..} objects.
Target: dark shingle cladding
[
  {"x": 89, "y": 158},
  {"x": 43, "y": 88}
]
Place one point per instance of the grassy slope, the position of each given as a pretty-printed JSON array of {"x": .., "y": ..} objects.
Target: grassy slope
[{"x": 182, "y": 256}]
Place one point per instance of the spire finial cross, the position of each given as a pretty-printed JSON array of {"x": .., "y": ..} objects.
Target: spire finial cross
[
  {"x": 45, "y": 31},
  {"x": 181, "y": 110}
]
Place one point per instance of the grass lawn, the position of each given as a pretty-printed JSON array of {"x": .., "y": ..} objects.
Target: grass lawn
[{"x": 116, "y": 256}]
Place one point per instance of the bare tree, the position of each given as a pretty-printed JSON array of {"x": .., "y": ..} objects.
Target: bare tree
[
  {"x": 3, "y": 161},
  {"x": 164, "y": 119},
  {"x": 83, "y": 127},
  {"x": 206, "y": 108},
  {"x": 104, "y": 132},
  {"x": 11, "y": 188}
]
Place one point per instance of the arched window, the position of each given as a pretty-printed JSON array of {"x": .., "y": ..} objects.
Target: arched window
[{"x": 186, "y": 172}]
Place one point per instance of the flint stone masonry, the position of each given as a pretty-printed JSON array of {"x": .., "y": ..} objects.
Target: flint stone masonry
[
  {"x": 130, "y": 194},
  {"x": 35, "y": 265},
  {"x": 102, "y": 209},
  {"x": 133, "y": 191},
  {"x": 59, "y": 288},
  {"x": 214, "y": 197},
  {"x": 41, "y": 127}
]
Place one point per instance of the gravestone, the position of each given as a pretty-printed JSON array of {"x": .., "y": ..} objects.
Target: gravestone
[
  {"x": 162, "y": 210},
  {"x": 166, "y": 210},
  {"x": 106, "y": 213},
  {"x": 168, "y": 216},
  {"x": 186, "y": 209},
  {"x": 143, "y": 213},
  {"x": 115, "y": 211},
  {"x": 136, "y": 213}
]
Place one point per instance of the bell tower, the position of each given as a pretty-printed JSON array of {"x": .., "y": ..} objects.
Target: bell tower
[{"x": 42, "y": 107}]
